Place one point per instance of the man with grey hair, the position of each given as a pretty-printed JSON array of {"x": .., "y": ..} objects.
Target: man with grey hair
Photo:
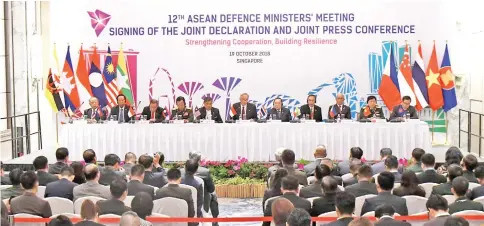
[
  {"x": 244, "y": 109},
  {"x": 95, "y": 112},
  {"x": 380, "y": 166},
  {"x": 339, "y": 109},
  {"x": 130, "y": 218},
  {"x": 319, "y": 154},
  {"x": 272, "y": 170}
]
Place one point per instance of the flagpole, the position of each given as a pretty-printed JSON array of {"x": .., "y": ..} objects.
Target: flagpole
[
  {"x": 57, "y": 128},
  {"x": 446, "y": 130},
  {"x": 433, "y": 127}
]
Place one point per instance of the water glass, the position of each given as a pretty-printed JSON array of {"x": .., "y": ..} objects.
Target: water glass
[
  {"x": 144, "y": 117},
  {"x": 179, "y": 117},
  {"x": 84, "y": 117},
  {"x": 114, "y": 118}
]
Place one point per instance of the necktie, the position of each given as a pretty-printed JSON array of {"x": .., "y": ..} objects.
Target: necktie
[
  {"x": 243, "y": 112},
  {"x": 93, "y": 113},
  {"x": 278, "y": 114},
  {"x": 152, "y": 115},
  {"x": 121, "y": 115},
  {"x": 312, "y": 114}
]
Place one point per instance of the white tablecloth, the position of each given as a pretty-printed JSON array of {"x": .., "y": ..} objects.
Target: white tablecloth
[{"x": 256, "y": 142}]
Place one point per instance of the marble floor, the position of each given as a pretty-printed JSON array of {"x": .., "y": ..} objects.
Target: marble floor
[{"x": 230, "y": 207}]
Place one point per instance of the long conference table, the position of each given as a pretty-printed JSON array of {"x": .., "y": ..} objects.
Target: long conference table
[{"x": 254, "y": 141}]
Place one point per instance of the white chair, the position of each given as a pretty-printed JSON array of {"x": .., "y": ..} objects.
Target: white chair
[
  {"x": 5, "y": 186},
  {"x": 26, "y": 215},
  {"x": 469, "y": 212},
  {"x": 359, "y": 203},
  {"x": 425, "y": 213},
  {"x": 341, "y": 188},
  {"x": 60, "y": 205},
  {"x": 480, "y": 199},
  {"x": 369, "y": 214},
  {"x": 312, "y": 199},
  {"x": 396, "y": 185},
  {"x": 69, "y": 215},
  {"x": 415, "y": 204},
  {"x": 194, "y": 195},
  {"x": 159, "y": 215},
  {"x": 311, "y": 179},
  {"x": 450, "y": 199},
  {"x": 79, "y": 201},
  {"x": 269, "y": 199},
  {"x": 428, "y": 188},
  {"x": 301, "y": 186},
  {"x": 329, "y": 214},
  {"x": 110, "y": 216},
  {"x": 127, "y": 200},
  {"x": 41, "y": 192},
  {"x": 473, "y": 185},
  {"x": 346, "y": 176},
  {"x": 171, "y": 207},
  {"x": 154, "y": 189}
]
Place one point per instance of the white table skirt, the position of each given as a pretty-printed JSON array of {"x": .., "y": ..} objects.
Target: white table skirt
[{"x": 256, "y": 142}]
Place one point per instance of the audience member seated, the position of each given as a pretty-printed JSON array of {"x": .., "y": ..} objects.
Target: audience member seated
[
  {"x": 478, "y": 191},
  {"x": 63, "y": 188},
  {"x": 115, "y": 205},
  {"x": 460, "y": 185},
  {"x": 333, "y": 171},
  {"x": 384, "y": 185},
  {"x": 130, "y": 218},
  {"x": 452, "y": 156},
  {"x": 314, "y": 189},
  {"x": 62, "y": 157},
  {"x": 438, "y": 210},
  {"x": 345, "y": 206},
  {"x": 384, "y": 213},
  {"x": 327, "y": 202},
  {"x": 429, "y": 174},
  {"x": 354, "y": 179},
  {"x": 110, "y": 171},
  {"x": 355, "y": 154},
  {"x": 361, "y": 222},
  {"x": 60, "y": 220},
  {"x": 290, "y": 190},
  {"x": 89, "y": 156},
  {"x": 456, "y": 221},
  {"x": 16, "y": 188},
  {"x": 29, "y": 202},
  {"x": 298, "y": 217},
  {"x": 191, "y": 167},
  {"x": 281, "y": 208},
  {"x": 275, "y": 190},
  {"x": 209, "y": 197},
  {"x": 154, "y": 173},
  {"x": 288, "y": 160},
  {"x": 469, "y": 163},
  {"x": 416, "y": 165},
  {"x": 319, "y": 154},
  {"x": 453, "y": 171},
  {"x": 136, "y": 185},
  {"x": 41, "y": 166},
  {"x": 363, "y": 187},
  {"x": 274, "y": 168},
  {"x": 92, "y": 186},
  {"x": 79, "y": 177},
  {"x": 4, "y": 214},
  {"x": 391, "y": 165},
  {"x": 89, "y": 214},
  {"x": 409, "y": 186},
  {"x": 142, "y": 204},
  {"x": 175, "y": 191},
  {"x": 129, "y": 162},
  {"x": 380, "y": 166},
  {"x": 4, "y": 180}
]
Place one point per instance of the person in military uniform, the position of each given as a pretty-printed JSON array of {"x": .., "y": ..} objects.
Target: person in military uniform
[
  {"x": 371, "y": 110},
  {"x": 181, "y": 109}
]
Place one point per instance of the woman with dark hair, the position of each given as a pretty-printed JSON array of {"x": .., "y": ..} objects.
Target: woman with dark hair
[
  {"x": 275, "y": 189},
  {"x": 142, "y": 204},
  {"x": 181, "y": 111},
  {"x": 79, "y": 177},
  {"x": 452, "y": 156},
  {"x": 409, "y": 185},
  {"x": 89, "y": 214}
]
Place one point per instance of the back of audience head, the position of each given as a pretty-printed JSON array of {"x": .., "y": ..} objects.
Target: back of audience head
[
  {"x": 290, "y": 184},
  {"x": 417, "y": 154},
  {"x": 320, "y": 152},
  {"x": 354, "y": 168},
  {"x": 365, "y": 172},
  {"x": 119, "y": 189},
  {"x": 460, "y": 186},
  {"x": 469, "y": 162},
  {"x": 428, "y": 161},
  {"x": 278, "y": 153},
  {"x": 391, "y": 162},
  {"x": 299, "y": 217},
  {"x": 361, "y": 221},
  {"x": 385, "y": 181},
  {"x": 130, "y": 157},
  {"x": 174, "y": 175},
  {"x": 454, "y": 171},
  {"x": 453, "y": 156},
  {"x": 345, "y": 203},
  {"x": 479, "y": 173},
  {"x": 29, "y": 181},
  {"x": 329, "y": 185},
  {"x": 456, "y": 221},
  {"x": 112, "y": 160},
  {"x": 146, "y": 161},
  {"x": 436, "y": 204},
  {"x": 91, "y": 172},
  {"x": 14, "y": 176},
  {"x": 288, "y": 157},
  {"x": 89, "y": 156},
  {"x": 89, "y": 210},
  {"x": 130, "y": 218},
  {"x": 277, "y": 182},
  {"x": 62, "y": 154},
  {"x": 60, "y": 220},
  {"x": 329, "y": 163},
  {"x": 41, "y": 163},
  {"x": 137, "y": 172},
  {"x": 409, "y": 179},
  {"x": 281, "y": 208},
  {"x": 191, "y": 166},
  {"x": 385, "y": 152},
  {"x": 318, "y": 172},
  {"x": 384, "y": 210},
  {"x": 356, "y": 152},
  {"x": 67, "y": 172},
  {"x": 197, "y": 156},
  {"x": 142, "y": 204}
]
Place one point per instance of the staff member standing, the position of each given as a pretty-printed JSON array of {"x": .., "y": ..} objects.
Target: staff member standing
[
  {"x": 121, "y": 110},
  {"x": 371, "y": 109},
  {"x": 182, "y": 110},
  {"x": 153, "y": 112},
  {"x": 312, "y": 110}
]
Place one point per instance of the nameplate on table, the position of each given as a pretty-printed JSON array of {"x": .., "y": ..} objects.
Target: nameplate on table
[
  {"x": 308, "y": 121},
  {"x": 274, "y": 121},
  {"x": 242, "y": 121},
  {"x": 178, "y": 121},
  {"x": 413, "y": 121},
  {"x": 380, "y": 120},
  {"x": 206, "y": 121}
]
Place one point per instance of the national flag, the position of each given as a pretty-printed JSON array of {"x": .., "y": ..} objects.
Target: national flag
[
  {"x": 232, "y": 111},
  {"x": 109, "y": 74},
  {"x": 333, "y": 112},
  {"x": 367, "y": 111},
  {"x": 388, "y": 89},
  {"x": 71, "y": 96},
  {"x": 405, "y": 80},
  {"x": 420, "y": 83},
  {"x": 447, "y": 82},
  {"x": 297, "y": 112},
  {"x": 436, "y": 100},
  {"x": 263, "y": 112},
  {"x": 82, "y": 78},
  {"x": 96, "y": 80},
  {"x": 124, "y": 84},
  {"x": 52, "y": 93},
  {"x": 196, "y": 113}
]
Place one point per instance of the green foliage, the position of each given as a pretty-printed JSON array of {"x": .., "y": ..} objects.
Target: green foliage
[{"x": 238, "y": 180}]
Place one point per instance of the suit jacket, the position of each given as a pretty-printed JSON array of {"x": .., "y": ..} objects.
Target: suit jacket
[
  {"x": 371, "y": 111},
  {"x": 109, "y": 174},
  {"x": 127, "y": 168},
  {"x": 284, "y": 115},
  {"x": 299, "y": 175},
  {"x": 135, "y": 187},
  {"x": 399, "y": 112},
  {"x": 386, "y": 221},
  {"x": 405, "y": 191},
  {"x": 311, "y": 167},
  {"x": 476, "y": 192},
  {"x": 91, "y": 188},
  {"x": 251, "y": 111},
  {"x": 306, "y": 110},
  {"x": 463, "y": 203},
  {"x": 438, "y": 221},
  {"x": 416, "y": 168},
  {"x": 88, "y": 223},
  {"x": 344, "y": 166},
  {"x": 5, "y": 180},
  {"x": 186, "y": 114},
  {"x": 62, "y": 188},
  {"x": 311, "y": 191},
  {"x": 31, "y": 204},
  {"x": 350, "y": 181},
  {"x": 156, "y": 179},
  {"x": 115, "y": 111},
  {"x": 175, "y": 191},
  {"x": 297, "y": 201},
  {"x": 214, "y": 112},
  {"x": 324, "y": 204},
  {"x": 158, "y": 113},
  {"x": 271, "y": 171},
  {"x": 269, "y": 193},
  {"x": 470, "y": 176},
  {"x": 398, "y": 176},
  {"x": 45, "y": 178},
  {"x": 431, "y": 176},
  {"x": 362, "y": 188},
  {"x": 345, "y": 110},
  {"x": 209, "y": 186},
  {"x": 340, "y": 222},
  {"x": 112, "y": 206},
  {"x": 378, "y": 167},
  {"x": 100, "y": 114},
  {"x": 442, "y": 189},
  {"x": 398, "y": 203},
  {"x": 191, "y": 181},
  {"x": 15, "y": 190},
  {"x": 57, "y": 167}
]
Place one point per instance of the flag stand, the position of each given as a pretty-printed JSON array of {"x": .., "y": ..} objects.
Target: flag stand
[
  {"x": 446, "y": 130},
  {"x": 433, "y": 127}
]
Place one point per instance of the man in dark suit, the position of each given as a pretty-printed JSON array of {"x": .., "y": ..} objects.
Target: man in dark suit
[
  {"x": 111, "y": 170},
  {"x": 181, "y": 111},
  {"x": 438, "y": 210},
  {"x": 154, "y": 173},
  {"x": 129, "y": 162},
  {"x": 4, "y": 179},
  {"x": 89, "y": 156},
  {"x": 453, "y": 171},
  {"x": 319, "y": 154},
  {"x": 339, "y": 109},
  {"x": 363, "y": 187},
  {"x": 41, "y": 166},
  {"x": 29, "y": 202},
  {"x": 272, "y": 170},
  {"x": 354, "y": 172},
  {"x": 62, "y": 157},
  {"x": 136, "y": 185},
  {"x": 380, "y": 166},
  {"x": 478, "y": 191},
  {"x": 63, "y": 188},
  {"x": 288, "y": 159},
  {"x": 345, "y": 206},
  {"x": 92, "y": 186},
  {"x": 153, "y": 112},
  {"x": 210, "y": 201},
  {"x": 401, "y": 111},
  {"x": 278, "y": 112},
  {"x": 290, "y": 189},
  {"x": 327, "y": 202},
  {"x": 469, "y": 163},
  {"x": 417, "y": 154},
  {"x": 244, "y": 110},
  {"x": 121, "y": 110},
  {"x": 391, "y": 165},
  {"x": 460, "y": 186},
  {"x": 384, "y": 185},
  {"x": 175, "y": 191},
  {"x": 191, "y": 167},
  {"x": 208, "y": 110},
  {"x": 429, "y": 174},
  {"x": 115, "y": 205},
  {"x": 371, "y": 110},
  {"x": 355, "y": 156},
  {"x": 95, "y": 113},
  {"x": 16, "y": 188},
  {"x": 384, "y": 213},
  {"x": 310, "y": 110}
]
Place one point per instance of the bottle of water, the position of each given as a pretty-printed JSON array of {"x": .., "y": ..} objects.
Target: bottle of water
[
  {"x": 338, "y": 119},
  {"x": 407, "y": 117}
]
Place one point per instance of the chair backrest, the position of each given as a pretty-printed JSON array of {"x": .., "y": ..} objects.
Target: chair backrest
[
  {"x": 311, "y": 179},
  {"x": 396, "y": 185},
  {"x": 171, "y": 207},
  {"x": 269, "y": 199},
  {"x": 473, "y": 185},
  {"x": 60, "y": 205},
  {"x": 110, "y": 216},
  {"x": 312, "y": 199},
  {"x": 329, "y": 214},
  {"x": 450, "y": 198},
  {"x": 415, "y": 204},
  {"x": 194, "y": 195},
  {"x": 41, "y": 192},
  {"x": 79, "y": 201},
  {"x": 359, "y": 203},
  {"x": 428, "y": 188},
  {"x": 369, "y": 214},
  {"x": 69, "y": 215},
  {"x": 159, "y": 215},
  {"x": 341, "y": 188},
  {"x": 127, "y": 200},
  {"x": 346, "y": 176},
  {"x": 480, "y": 199},
  {"x": 5, "y": 186},
  {"x": 154, "y": 188},
  {"x": 26, "y": 215},
  {"x": 425, "y": 213},
  {"x": 469, "y": 212}
]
